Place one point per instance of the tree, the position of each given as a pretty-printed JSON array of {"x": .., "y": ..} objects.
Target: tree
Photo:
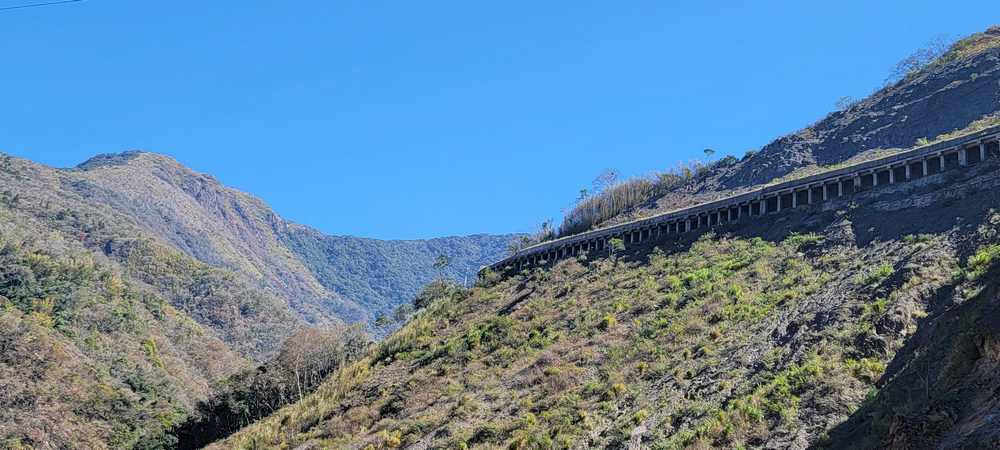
[
  {"x": 382, "y": 320},
  {"x": 729, "y": 160},
  {"x": 437, "y": 289},
  {"x": 845, "y": 102},
  {"x": 297, "y": 351},
  {"x": 400, "y": 313},
  {"x": 709, "y": 153},
  {"x": 443, "y": 261},
  {"x": 607, "y": 179},
  {"x": 917, "y": 60},
  {"x": 615, "y": 245}
]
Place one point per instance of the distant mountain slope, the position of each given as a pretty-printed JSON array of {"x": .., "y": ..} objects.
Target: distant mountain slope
[
  {"x": 377, "y": 273},
  {"x": 106, "y": 337},
  {"x": 132, "y": 286},
  {"x": 324, "y": 278}
]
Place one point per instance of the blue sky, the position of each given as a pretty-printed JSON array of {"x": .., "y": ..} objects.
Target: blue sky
[{"x": 423, "y": 119}]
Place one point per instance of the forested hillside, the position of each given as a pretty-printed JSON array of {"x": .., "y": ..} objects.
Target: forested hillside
[
  {"x": 377, "y": 274},
  {"x": 144, "y": 305},
  {"x": 109, "y": 338},
  {"x": 325, "y": 278}
]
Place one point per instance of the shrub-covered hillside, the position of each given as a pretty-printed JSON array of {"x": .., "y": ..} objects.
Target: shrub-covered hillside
[
  {"x": 153, "y": 307},
  {"x": 107, "y": 339},
  {"x": 323, "y": 278},
  {"x": 831, "y": 326}
]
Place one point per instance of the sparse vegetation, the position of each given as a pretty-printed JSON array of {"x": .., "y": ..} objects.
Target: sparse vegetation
[
  {"x": 611, "y": 197},
  {"x": 551, "y": 355}
]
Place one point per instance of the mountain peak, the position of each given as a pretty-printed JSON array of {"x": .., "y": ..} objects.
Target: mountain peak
[{"x": 108, "y": 159}]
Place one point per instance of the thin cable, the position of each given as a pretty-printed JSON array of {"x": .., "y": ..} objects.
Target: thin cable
[{"x": 39, "y": 4}]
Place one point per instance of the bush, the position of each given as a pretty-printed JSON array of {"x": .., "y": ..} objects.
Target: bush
[{"x": 436, "y": 290}]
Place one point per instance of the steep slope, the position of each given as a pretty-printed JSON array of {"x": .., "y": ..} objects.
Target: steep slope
[
  {"x": 107, "y": 338},
  {"x": 961, "y": 91},
  {"x": 766, "y": 333},
  {"x": 856, "y": 323},
  {"x": 199, "y": 216},
  {"x": 136, "y": 294},
  {"x": 377, "y": 274},
  {"x": 324, "y": 278}
]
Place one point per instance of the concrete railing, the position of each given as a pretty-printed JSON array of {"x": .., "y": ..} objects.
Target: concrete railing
[{"x": 897, "y": 168}]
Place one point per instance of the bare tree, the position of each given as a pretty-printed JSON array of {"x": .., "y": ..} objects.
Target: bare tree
[
  {"x": 917, "y": 60},
  {"x": 607, "y": 179},
  {"x": 297, "y": 351}
]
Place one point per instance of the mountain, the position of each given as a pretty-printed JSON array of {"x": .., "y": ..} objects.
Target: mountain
[
  {"x": 867, "y": 321},
  {"x": 323, "y": 277},
  {"x": 959, "y": 91},
  {"x": 135, "y": 294}
]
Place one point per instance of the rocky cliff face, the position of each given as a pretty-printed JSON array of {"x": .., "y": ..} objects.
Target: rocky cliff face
[{"x": 938, "y": 100}]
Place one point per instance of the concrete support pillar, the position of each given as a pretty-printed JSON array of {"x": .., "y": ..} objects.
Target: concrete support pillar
[
  {"x": 826, "y": 193},
  {"x": 963, "y": 157},
  {"x": 874, "y": 178},
  {"x": 892, "y": 176},
  {"x": 809, "y": 196},
  {"x": 840, "y": 189},
  {"x": 927, "y": 167},
  {"x": 687, "y": 226},
  {"x": 779, "y": 203},
  {"x": 795, "y": 199},
  {"x": 909, "y": 174},
  {"x": 982, "y": 152},
  {"x": 943, "y": 166}
]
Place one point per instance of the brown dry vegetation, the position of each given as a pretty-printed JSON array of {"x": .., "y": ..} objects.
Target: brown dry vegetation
[
  {"x": 144, "y": 302},
  {"x": 730, "y": 340}
]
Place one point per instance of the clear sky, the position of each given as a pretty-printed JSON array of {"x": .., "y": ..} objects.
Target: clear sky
[{"x": 417, "y": 119}]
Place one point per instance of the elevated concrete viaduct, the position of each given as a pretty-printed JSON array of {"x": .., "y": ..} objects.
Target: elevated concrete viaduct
[{"x": 827, "y": 186}]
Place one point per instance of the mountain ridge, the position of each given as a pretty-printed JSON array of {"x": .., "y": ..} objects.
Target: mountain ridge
[{"x": 252, "y": 237}]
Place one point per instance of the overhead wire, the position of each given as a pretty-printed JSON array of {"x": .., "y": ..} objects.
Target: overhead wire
[{"x": 35, "y": 5}]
